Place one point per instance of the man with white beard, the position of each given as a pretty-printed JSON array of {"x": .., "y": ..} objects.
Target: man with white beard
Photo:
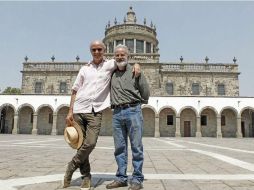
[{"x": 127, "y": 95}]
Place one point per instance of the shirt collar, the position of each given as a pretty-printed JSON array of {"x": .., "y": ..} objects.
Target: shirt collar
[
  {"x": 91, "y": 62},
  {"x": 128, "y": 67}
]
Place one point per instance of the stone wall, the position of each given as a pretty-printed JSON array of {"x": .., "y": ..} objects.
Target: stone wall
[
  {"x": 229, "y": 130},
  {"x": 157, "y": 77},
  {"x": 208, "y": 82},
  {"x": 61, "y": 115},
  {"x": 25, "y": 124},
  {"x": 210, "y": 129},
  {"x": 167, "y": 130},
  {"x": 9, "y": 120},
  {"x": 43, "y": 125},
  {"x": 151, "y": 72},
  {"x": 248, "y": 127},
  {"x": 188, "y": 115},
  {"x": 50, "y": 82},
  {"x": 149, "y": 122}
]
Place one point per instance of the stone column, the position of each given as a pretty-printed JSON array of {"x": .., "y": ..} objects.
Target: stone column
[
  {"x": 152, "y": 48},
  {"x": 134, "y": 51},
  {"x": 219, "y": 134},
  {"x": 124, "y": 41},
  {"x": 144, "y": 46},
  {"x": 53, "y": 132},
  {"x": 114, "y": 45},
  {"x": 34, "y": 131},
  {"x": 107, "y": 48},
  {"x": 157, "y": 126},
  {"x": 15, "y": 124},
  {"x": 239, "y": 129},
  {"x": 178, "y": 123},
  {"x": 198, "y": 132}
]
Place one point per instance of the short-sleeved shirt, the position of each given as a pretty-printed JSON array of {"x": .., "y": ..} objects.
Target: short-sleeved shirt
[{"x": 93, "y": 87}]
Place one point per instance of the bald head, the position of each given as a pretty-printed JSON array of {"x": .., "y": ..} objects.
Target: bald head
[
  {"x": 97, "y": 42},
  {"x": 97, "y": 49}
]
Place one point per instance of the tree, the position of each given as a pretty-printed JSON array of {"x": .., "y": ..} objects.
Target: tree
[{"x": 10, "y": 90}]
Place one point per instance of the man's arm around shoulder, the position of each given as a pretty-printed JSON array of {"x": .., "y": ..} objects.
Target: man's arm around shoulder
[{"x": 143, "y": 88}]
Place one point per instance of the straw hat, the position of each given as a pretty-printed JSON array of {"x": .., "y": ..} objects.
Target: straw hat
[{"x": 73, "y": 135}]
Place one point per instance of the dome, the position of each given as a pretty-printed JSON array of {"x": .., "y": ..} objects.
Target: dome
[{"x": 139, "y": 38}]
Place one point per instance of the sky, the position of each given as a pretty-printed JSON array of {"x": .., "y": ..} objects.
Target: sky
[{"x": 192, "y": 29}]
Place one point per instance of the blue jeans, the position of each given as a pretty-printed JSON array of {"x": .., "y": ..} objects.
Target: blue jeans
[{"x": 128, "y": 122}]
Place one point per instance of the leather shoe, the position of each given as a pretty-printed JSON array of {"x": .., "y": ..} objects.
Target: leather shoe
[{"x": 116, "y": 184}]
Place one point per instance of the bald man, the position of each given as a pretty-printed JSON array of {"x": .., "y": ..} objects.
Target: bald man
[{"x": 90, "y": 96}]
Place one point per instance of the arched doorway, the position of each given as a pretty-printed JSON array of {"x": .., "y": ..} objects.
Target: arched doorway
[
  {"x": 149, "y": 122},
  {"x": 60, "y": 123},
  {"x": 188, "y": 126},
  {"x": 45, "y": 121},
  {"x": 228, "y": 123},
  {"x": 208, "y": 123},
  {"x": 167, "y": 122},
  {"x": 25, "y": 123},
  {"x": 7, "y": 119},
  {"x": 247, "y": 127}
]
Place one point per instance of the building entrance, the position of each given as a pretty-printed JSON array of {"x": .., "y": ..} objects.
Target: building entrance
[{"x": 187, "y": 128}]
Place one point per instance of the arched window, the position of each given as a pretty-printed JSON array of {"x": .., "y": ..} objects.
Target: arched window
[
  {"x": 169, "y": 88},
  {"x": 221, "y": 89}
]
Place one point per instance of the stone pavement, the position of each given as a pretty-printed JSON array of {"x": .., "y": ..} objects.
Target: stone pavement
[{"x": 30, "y": 162}]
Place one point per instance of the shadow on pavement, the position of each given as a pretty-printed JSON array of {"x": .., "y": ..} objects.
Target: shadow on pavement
[{"x": 97, "y": 180}]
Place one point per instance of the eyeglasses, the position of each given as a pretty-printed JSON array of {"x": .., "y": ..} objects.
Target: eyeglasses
[{"x": 98, "y": 49}]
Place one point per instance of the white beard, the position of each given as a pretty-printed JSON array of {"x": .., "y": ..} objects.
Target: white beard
[{"x": 121, "y": 64}]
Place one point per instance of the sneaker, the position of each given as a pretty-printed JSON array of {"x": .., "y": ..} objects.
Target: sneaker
[
  {"x": 68, "y": 174},
  {"x": 86, "y": 184},
  {"x": 135, "y": 186},
  {"x": 116, "y": 184}
]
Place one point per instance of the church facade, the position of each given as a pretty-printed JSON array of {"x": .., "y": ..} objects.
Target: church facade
[{"x": 185, "y": 96}]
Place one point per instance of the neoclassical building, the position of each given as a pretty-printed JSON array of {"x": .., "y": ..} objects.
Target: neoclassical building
[
  {"x": 165, "y": 79},
  {"x": 188, "y": 99}
]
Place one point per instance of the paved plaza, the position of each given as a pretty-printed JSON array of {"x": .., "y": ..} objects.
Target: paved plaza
[{"x": 30, "y": 162}]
